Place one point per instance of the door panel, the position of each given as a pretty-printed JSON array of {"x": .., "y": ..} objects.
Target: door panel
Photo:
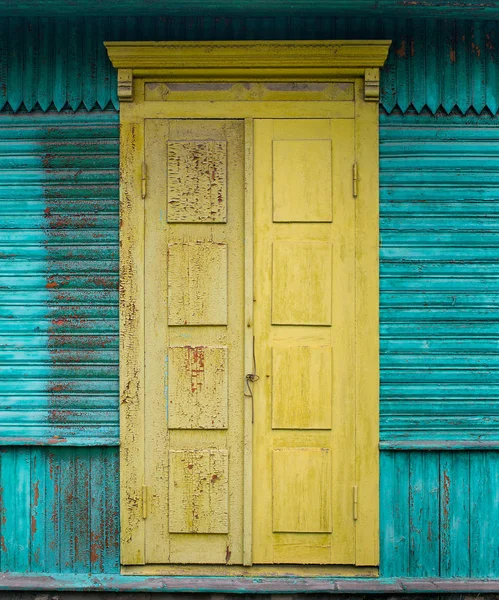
[
  {"x": 304, "y": 325},
  {"x": 194, "y": 338}
]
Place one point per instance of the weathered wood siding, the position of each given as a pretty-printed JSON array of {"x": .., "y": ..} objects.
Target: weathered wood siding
[
  {"x": 439, "y": 514},
  {"x": 61, "y": 62},
  {"x": 439, "y": 280},
  {"x": 59, "y": 510},
  {"x": 59, "y": 278}
]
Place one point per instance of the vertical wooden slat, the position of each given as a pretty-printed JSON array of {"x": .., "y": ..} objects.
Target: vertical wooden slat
[
  {"x": 448, "y": 48},
  {"x": 60, "y": 62},
  {"x": 417, "y": 52},
  {"x": 249, "y": 367},
  {"x": 4, "y": 59},
  {"x": 491, "y": 67},
  {"x": 67, "y": 508},
  {"x": 81, "y": 500},
  {"x": 132, "y": 340},
  {"x": 394, "y": 514},
  {"x": 110, "y": 518},
  {"x": 75, "y": 62},
  {"x": 46, "y": 63},
  {"x": 103, "y": 69},
  {"x": 484, "y": 509},
  {"x": 89, "y": 62},
  {"x": 39, "y": 511},
  {"x": 388, "y": 75},
  {"x": 20, "y": 549},
  {"x": 31, "y": 52},
  {"x": 433, "y": 58},
  {"x": 367, "y": 329},
  {"x": 454, "y": 514},
  {"x": 53, "y": 516},
  {"x": 463, "y": 59},
  {"x": 97, "y": 511},
  {"x": 478, "y": 84},
  {"x": 424, "y": 513},
  {"x": 402, "y": 48},
  {"x": 15, "y": 79}
]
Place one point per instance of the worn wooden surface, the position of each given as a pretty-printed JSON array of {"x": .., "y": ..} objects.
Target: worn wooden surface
[
  {"x": 59, "y": 510},
  {"x": 417, "y": 587},
  {"x": 439, "y": 287},
  {"x": 433, "y": 64},
  {"x": 195, "y": 341},
  {"x": 304, "y": 267},
  {"x": 439, "y": 514},
  {"x": 367, "y": 373},
  {"x": 58, "y": 278},
  {"x": 60, "y": 515}
]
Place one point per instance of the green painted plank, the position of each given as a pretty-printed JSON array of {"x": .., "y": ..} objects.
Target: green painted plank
[
  {"x": 424, "y": 493},
  {"x": 455, "y": 514},
  {"x": 394, "y": 514},
  {"x": 39, "y": 510},
  {"x": 484, "y": 525}
]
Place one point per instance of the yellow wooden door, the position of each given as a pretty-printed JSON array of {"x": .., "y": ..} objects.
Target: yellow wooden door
[
  {"x": 194, "y": 341},
  {"x": 304, "y": 327}
]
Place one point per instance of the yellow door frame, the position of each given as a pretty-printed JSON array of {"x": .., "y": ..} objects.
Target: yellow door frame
[{"x": 144, "y": 71}]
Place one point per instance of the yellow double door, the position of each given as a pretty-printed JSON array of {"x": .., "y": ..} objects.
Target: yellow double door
[{"x": 250, "y": 450}]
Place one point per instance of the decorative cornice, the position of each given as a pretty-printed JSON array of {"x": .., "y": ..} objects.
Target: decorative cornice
[
  {"x": 249, "y": 61},
  {"x": 299, "y": 54}
]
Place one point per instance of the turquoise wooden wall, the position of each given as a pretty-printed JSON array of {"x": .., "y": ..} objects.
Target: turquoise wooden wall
[
  {"x": 59, "y": 278},
  {"x": 59, "y": 510},
  {"x": 439, "y": 195},
  {"x": 54, "y": 63},
  {"x": 439, "y": 280}
]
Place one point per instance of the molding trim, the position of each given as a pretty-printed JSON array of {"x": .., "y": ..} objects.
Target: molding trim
[
  {"x": 439, "y": 445},
  {"x": 110, "y": 582},
  {"x": 248, "y": 61}
]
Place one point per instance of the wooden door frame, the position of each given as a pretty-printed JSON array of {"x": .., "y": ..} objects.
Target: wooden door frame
[{"x": 139, "y": 63}]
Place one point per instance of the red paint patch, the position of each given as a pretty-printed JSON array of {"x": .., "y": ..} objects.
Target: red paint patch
[
  {"x": 401, "y": 51},
  {"x": 36, "y": 493}
]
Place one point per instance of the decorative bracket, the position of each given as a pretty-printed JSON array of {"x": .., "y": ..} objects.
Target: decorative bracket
[
  {"x": 371, "y": 85},
  {"x": 125, "y": 85}
]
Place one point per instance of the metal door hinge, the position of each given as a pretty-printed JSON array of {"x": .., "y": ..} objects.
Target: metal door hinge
[
  {"x": 355, "y": 502},
  {"x": 145, "y": 501},
  {"x": 354, "y": 179},
  {"x": 144, "y": 180}
]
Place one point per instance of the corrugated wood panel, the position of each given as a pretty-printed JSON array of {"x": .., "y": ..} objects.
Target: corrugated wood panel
[
  {"x": 439, "y": 201},
  {"x": 432, "y": 8},
  {"x": 61, "y": 62},
  {"x": 439, "y": 514},
  {"x": 58, "y": 278},
  {"x": 59, "y": 510}
]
